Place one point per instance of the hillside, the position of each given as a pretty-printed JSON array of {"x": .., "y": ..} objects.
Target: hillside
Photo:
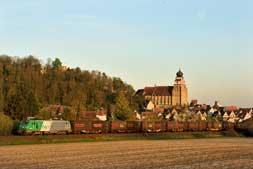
[{"x": 27, "y": 86}]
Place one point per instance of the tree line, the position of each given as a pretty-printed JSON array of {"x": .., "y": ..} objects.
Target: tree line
[{"x": 27, "y": 86}]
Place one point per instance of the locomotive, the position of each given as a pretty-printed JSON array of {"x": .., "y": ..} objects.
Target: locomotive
[{"x": 32, "y": 126}]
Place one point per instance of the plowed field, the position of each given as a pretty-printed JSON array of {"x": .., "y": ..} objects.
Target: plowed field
[{"x": 142, "y": 154}]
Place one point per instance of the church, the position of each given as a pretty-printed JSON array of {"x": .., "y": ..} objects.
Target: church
[{"x": 167, "y": 96}]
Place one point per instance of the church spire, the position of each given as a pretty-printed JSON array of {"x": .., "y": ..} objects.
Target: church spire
[{"x": 180, "y": 73}]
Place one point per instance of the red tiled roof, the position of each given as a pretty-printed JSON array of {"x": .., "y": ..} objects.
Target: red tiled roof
[
  {"x": 158, "y": 91},
  {"x": 158, "y": 110},
  {"x": 88, "y": 114},
  {"x": 231, "y": 108},
  {"x": 194, "y": 102},
  {"x": 149, "y": 113},
  {"x": 91, "y": 114}
]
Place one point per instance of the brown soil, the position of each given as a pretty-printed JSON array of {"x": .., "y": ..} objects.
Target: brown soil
[{"x": 142, "y": 154}]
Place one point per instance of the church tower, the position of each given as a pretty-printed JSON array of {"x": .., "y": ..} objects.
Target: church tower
[{"x": 180, "y": 91}]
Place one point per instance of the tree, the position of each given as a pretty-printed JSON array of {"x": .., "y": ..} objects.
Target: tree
[
  {"x": 15, "y": 104},
  {"x": 57, "y": 64},
  {"x": 139, "y": 102},
  {"x": 6, "y": 124},
  {"x": 121, "y": 109},
  {"x": 32, "y": 104}
]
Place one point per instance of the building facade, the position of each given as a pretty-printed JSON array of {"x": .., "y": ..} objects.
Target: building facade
[{"x": 168, "y": 96}]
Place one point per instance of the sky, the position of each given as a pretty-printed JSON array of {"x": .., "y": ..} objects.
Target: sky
[{"x": 142, "y": 41}]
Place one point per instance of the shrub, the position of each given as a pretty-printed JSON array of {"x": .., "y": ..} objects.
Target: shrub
[
  {"x": 15, "y": 127},
  {"x": 6, "y": 125}
]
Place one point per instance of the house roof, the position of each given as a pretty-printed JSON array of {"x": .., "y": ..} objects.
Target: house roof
[
  {"x": 101, "y": 112},
  {"x": 158, "y": 91},
  {"x": 88, "y": 114},
  {"x": 245, "y": 110},
  {"x": 147, "y": 113},
  {"x": 158, "y": 110},
  {"x": 139, "y": 92},
  {"x": 91, "y": 114},
  {"x": 194, "y": 102},
  {"x": 231, "y": 108},
  {"x": 242, "y": 115}
]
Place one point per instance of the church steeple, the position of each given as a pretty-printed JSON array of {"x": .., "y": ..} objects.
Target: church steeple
[
  {"x": 180, "y": 73},
  {"x": 180, "y": 92}
]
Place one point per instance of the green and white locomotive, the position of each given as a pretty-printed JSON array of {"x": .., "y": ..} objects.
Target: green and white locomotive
[{"x": 33, "y": 127}]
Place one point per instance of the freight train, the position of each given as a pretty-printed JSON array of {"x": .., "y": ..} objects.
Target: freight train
[{"x": 32, "y": 127}]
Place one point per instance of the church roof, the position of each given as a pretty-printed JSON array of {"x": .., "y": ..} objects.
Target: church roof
[{"x": 158, "y": 91}]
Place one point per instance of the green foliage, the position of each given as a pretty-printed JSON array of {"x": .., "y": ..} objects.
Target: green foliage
[
  {"x": 69, "y": 113},
  {"x": 121, "y": 108},
  {"x": 15, "y": 104},
  {"x": 45, "y": 113},
  {"x": 138, "y": 102},
  {"x": 57, "y": 63},
  {"x": 20, "y": 103},
  {"x": 28, "y": 87},
  {"x": 6, "y": 124},
  {"x": 153, "y": 117}
]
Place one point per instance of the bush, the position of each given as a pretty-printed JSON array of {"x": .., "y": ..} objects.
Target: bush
[
  {"x": 6, "y": 125},
  {"x": 15, "y": 127}
]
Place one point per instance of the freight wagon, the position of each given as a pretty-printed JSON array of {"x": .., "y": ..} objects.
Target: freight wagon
[
  {"x": 193, "y": 126},
  {"x": 227, "y": 125},
  {"x": 154, "y": 126},
  {"x": 133, "y": 126},
  {"x": 118, "y": 126},
  {"x": 176, "y": 127},
  {"x": 202, "y": 126},
  {"x": 89, "y": 127},
  {"x": 246, "y": 127},
  {"x": 214, "y": 126}
]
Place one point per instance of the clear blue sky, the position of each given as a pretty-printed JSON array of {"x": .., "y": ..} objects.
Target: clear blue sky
[{"x": 142, "y": 41}]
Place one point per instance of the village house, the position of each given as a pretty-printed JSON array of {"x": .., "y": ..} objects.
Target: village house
[
  {"x": 93, "y": 115},
  {"x": 150, "y": 106},
  {"x": 245, "y": 114}
]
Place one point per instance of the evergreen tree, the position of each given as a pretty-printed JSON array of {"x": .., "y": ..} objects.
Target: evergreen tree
[{"x": 57, "y": 63}]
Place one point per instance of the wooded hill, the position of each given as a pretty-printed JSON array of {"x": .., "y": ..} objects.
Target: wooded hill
[{"x": 27, "y": 86}]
